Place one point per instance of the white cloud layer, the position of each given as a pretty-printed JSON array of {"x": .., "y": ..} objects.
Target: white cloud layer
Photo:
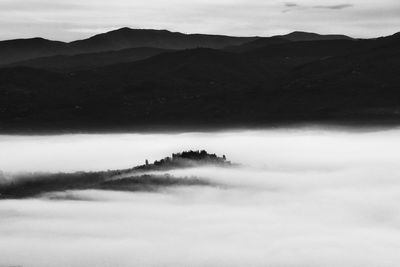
[
  {"x": 294, "y": 149},
  {"x": 302, "y": 198},
  {"x": 73, "y": 19}
]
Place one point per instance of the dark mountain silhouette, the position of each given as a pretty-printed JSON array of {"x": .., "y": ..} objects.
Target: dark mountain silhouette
[
  {"x": 333, "y": 80},
  {"x": 298, "y": 53},
  {"x": 285, "y": 39},
  {"x": 22, "y": 49},
  {"x": 134, "y": 179},
  {"x": 25, "y": 49},
  {"x": 259, "y": 43},
  {"x": 299, "y": 36},
  {"x": 90, "y": 60},
  {"x": 363, "y": 84},
  {"x": 191, "y": 84},
  {"x": 129, "y": 38},
  {"x": 311, "y": 48}
]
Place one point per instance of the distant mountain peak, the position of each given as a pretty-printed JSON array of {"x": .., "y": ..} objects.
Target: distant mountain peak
[
  {"x": 311, "y": 36},
  {"x": 30, "y": 40},
  {"x": 302, "y": 32},
  {"x": 123, "y": 29},
  {"x": 127, "y": 29}
]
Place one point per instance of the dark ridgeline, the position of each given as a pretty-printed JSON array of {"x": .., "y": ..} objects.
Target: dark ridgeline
[
  {"x": 131, "y": 79},
  {"x": 284, "y": 39},
  {"x": 134, "y": 179},
  {"x": 299, "y": 36},
  {"x": 125, "y": 38}
]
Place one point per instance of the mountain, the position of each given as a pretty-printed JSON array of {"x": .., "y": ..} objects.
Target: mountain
[
  {"x": 125, "y": 38},
  {"x": 24, "y": 49},
  {"x": 299, "y": 36},
  {"x": 298, "y": 53},
  {"x": 129, "y": 38},
  {"x": 90, "y": 60},
  {"x": 285, "y": 39},
  {"x": 196, "y": 85},
  {"x": 259, "y": 43},
  {"x": 332, "y": 80},
  {"x": 363, "y": 84}
]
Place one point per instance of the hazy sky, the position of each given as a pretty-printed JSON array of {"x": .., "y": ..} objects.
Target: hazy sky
[{"x": 75, "y": 19}]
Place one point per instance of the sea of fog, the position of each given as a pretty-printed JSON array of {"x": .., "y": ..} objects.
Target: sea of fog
[{"x": 301, "y": 197}]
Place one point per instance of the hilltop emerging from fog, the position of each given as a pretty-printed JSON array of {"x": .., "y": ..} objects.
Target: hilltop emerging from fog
[
  {"x": 140, "y": 178},
  {"x": 184, "y": 160}
]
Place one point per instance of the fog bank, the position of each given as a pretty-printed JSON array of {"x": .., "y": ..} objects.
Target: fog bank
[
  {"x": 291, "y": 148},
  {"x": 300, "y": 198}
]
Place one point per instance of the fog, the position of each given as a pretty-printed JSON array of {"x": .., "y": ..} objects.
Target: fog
[
  {"x": 290, "y": 149},
  {"x": 301, "y": 197}
]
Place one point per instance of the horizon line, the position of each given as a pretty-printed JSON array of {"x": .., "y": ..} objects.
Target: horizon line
[{"x": 186, "y": 33}]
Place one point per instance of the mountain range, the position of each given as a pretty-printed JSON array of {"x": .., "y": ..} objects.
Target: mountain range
[{"x": 129, "y": 78}]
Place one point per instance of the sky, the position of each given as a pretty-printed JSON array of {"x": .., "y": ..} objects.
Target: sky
[{"x": 69, "y": 20}]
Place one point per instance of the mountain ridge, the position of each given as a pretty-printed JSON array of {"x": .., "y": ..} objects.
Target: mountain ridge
[
  {"x": 332, "y": 80},
  {"x": 310, "y": 36},
  {"x": 15, "y": 50}
]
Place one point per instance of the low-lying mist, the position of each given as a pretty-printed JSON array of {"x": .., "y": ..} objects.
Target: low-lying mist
[
  {"x": 277, "y": 149},
  {"x": 303, "y": 197}
]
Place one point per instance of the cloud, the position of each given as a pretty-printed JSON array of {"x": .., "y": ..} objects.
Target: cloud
[
  {"x": 264, "y": 218},
  {"x": 307, "y": 197},
  {"x": 39, "y": 5},
  {"x": 291, "y": 4},
  {"x": 334, "y": 7}
]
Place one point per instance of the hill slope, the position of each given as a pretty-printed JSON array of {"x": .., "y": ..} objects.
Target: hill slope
[{"x": 90, "y": 60}]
